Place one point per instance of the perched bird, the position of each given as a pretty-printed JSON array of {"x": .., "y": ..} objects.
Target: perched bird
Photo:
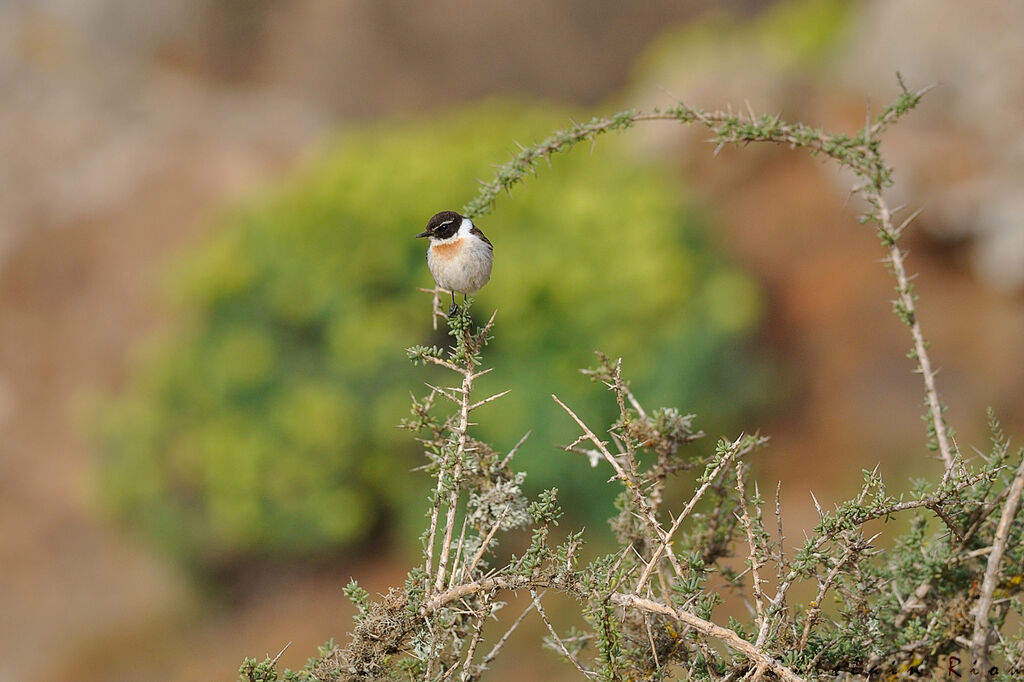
[{"x": 459, "y": 256}]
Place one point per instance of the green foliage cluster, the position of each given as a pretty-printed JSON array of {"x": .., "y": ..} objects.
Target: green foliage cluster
[{"x": 266, "y": 426}]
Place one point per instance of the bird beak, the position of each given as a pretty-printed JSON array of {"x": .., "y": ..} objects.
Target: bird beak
[{"x": 422, "y": 234}]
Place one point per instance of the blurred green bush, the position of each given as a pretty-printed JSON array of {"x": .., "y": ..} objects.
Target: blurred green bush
[{"x": 266, "y": 429}]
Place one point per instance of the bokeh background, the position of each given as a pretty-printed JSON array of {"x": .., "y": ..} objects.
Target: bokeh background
[{"x": 207, "y": 280}]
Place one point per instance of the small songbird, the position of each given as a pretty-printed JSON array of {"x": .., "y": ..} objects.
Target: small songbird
[{"x": 459, "y": 256}]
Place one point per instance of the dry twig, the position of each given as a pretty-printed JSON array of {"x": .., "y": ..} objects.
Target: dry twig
[{"x": 980, "y": 642}]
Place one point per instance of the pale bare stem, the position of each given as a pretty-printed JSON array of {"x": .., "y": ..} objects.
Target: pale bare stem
[
  {"x": 593, "y": 456},
  {"x": 724, "y": 635},
  {"x": 460, "y": 451},
  {"x": 434, "y": 514},
  {"x": 477, "y": 375},
  {"x": 601, "y": 445},
  {"x": 440, "y": 600},
  {"x": 446, "y": 392},
  {"x": 514, "y": 450},
  {"x": 436, "y": 311},
  {"x": 448, "y": 673},
  {"x": 898, "y": 232},
  {"x": 780, "y": 556},
  {"x": 478, "y": 630},
  {"x": 756, "y": 673},
  {"x": 662, "y": 583},
  {"x": 481, "y": 403},
  {"x": 755, "y": 561},
  {"x": 496, "y": 649},
  {"x": 279, "y": 654},
  {"x": 817, "y": 505},
  {"x": 458, "y": 550},
  {"x": 982, "y": 551},
  {"x": 656, "y": 535},
  {"x": 443, "y": 363},
  {"x": 487, "y": 328},
  {"x": 650, "y": 638},
  {"x": 656, "y": 490},
  {"x": 730, "y": 455},
  {"x": 781, "y": 563},
  {"x": 558, "y": 640},
  {"x": 906, "y": 300},
  {"x": 981, "y": 640},
  {"x": 484, "y": 544},
  {"x": 901, "y": 506}
]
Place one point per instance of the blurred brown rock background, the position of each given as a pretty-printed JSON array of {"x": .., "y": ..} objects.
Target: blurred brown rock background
[{"x": 124, "y": 126}]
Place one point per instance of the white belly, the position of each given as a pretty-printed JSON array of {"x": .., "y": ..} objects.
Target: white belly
[{"x": 466, "y": 271}]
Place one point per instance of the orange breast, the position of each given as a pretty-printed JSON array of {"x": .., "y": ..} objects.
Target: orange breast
[{"x": 448, "y": 250}]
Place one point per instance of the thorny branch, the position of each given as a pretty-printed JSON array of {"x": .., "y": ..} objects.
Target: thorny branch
[
  {"x": 755, "y": 561},
  {"x": 631, "y": 481},
  {"x": 982, "y": 628},
  {"x": 433, "y": 628},
  {"x": 860, "y": 153},
  {"x": 724, "y": 635},
  {"x": 734, "y": 452}
]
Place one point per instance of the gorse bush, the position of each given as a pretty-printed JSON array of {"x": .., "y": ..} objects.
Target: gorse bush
[
  {"x": 267, "y": 427},
  {"x": 945, "y": 598}
]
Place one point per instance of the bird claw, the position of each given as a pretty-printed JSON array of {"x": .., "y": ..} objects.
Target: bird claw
[{"x": 454, "y": 309}]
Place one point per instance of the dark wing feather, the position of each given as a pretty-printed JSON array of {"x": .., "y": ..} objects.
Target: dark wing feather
[{"x": 476, "y": 230}]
